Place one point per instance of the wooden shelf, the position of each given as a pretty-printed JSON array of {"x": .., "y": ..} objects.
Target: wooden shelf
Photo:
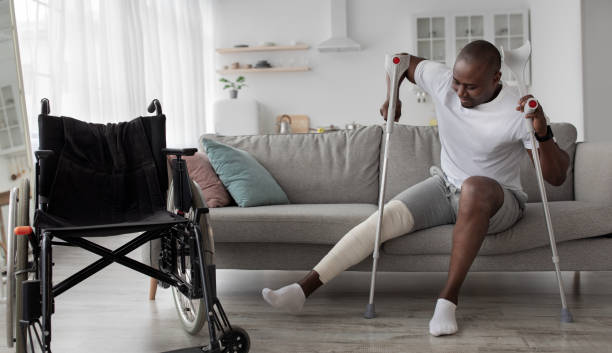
[
  {"x": 271, "y": 69},
  {"x": 262, "y": 48}
]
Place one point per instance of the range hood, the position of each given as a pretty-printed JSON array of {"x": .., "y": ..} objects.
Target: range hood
[{"x": 339, "y": 40}]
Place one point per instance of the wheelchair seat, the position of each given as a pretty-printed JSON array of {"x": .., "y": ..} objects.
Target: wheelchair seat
[{"x": 155, "y": 221}]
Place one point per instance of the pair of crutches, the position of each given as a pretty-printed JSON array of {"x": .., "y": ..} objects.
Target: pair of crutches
[{"x": 516, "y": 60}]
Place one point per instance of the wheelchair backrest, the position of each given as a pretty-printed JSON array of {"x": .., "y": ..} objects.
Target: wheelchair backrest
[{"x": 103, "y": 172}]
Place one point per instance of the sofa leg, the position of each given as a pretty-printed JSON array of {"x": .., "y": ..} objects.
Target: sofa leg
[
  {"x": 152, "y": 288},
  {"x": 576, "y": 284}
]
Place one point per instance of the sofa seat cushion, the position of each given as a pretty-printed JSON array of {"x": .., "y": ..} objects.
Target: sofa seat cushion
[
  {"x": 571, "y": 220},
  {"x": 297, "y": 223}
]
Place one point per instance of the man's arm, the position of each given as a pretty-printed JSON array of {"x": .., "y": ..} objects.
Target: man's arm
[
  {"x": 554, "y": 160},
  {"x": 414, "y": 61}
]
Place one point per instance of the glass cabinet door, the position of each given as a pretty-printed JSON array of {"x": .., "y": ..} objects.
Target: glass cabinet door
[
  {"x": 509, "y": 30},
  {"x": 431, "y": 38},
  {"x": 468, "y": 29}
]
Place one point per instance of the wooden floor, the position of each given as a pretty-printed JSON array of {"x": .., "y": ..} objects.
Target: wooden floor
[{"x": 498, "y": 312}]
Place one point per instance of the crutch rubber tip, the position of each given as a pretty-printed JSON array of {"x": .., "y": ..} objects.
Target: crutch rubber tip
[
  {"x": 370, "y": 312},
  {"x": 566, "y": 316}
]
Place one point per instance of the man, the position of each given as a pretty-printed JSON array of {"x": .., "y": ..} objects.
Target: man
[{"x": 483, "y": 137}]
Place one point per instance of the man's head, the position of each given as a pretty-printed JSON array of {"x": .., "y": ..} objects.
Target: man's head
[{"x": 476, "y": 73}]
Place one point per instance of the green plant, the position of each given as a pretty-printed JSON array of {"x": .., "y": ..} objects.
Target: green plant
[{"x": 238, "y": 84}]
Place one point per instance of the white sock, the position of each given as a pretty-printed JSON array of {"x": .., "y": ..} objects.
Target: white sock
[
  {"x": 443, "y": 321},
  {"x": 290, "y": 298}
]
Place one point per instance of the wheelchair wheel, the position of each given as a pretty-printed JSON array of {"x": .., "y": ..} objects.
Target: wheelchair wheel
[
  {"x": 191, "y": 312},
  {"x": 17, "y": 261},
  {"x": 21, "y": 258},
  {"x": 236, "y": 340}
]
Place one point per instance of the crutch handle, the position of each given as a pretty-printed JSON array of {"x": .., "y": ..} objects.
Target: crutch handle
[
  {"x": 531, "y": 105},
  {"x": 395, "y": 65}
]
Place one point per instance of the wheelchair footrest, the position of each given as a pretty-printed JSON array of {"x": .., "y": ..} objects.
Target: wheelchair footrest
[{"x": 200, "y": 349}]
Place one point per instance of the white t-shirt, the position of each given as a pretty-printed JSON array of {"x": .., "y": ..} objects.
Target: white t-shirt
[{"x": 487, "y": 140}]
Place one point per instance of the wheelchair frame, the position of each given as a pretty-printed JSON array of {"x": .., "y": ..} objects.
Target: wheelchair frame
[{"x": 39, "y": 294}]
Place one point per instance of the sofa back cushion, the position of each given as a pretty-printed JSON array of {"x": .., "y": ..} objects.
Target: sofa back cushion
[
  {"x": 415, "y": 148},
  {"x": 334, "y": 167}
]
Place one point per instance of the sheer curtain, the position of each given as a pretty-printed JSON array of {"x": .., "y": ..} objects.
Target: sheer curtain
[{"x": 105, "y": 60}]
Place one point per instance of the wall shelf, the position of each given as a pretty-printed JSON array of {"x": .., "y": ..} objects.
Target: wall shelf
[
  {"x": 262, "y": 48},
  {"x": 271, "y": 69}
]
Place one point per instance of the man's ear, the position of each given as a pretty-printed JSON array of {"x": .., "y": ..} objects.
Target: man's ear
[{"x": 497, "y": 77}]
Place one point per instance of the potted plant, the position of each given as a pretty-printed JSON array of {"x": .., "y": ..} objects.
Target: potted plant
[{"x": 234, "y": 85}]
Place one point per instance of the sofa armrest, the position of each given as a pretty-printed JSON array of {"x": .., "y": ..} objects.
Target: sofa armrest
[{"x": 593, "y": 172}]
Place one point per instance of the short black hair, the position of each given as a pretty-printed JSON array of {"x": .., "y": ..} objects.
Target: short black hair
[{"x": 481, "y": 51}]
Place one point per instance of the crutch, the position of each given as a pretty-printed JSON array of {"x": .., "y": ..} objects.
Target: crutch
[
  {"x": 516, "y": 60},
  {"x": 395, "y": 66}
]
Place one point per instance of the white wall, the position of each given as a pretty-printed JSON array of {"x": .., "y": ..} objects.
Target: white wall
[
  {"x": 346, "y": 87},
  {"x": 597, "y": 51}
]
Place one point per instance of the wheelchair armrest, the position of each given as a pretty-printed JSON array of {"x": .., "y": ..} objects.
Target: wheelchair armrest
[
  {"x": 43, "y": 154},
  {"x": 180, "y": 151},
  {"x": 180, "y": 177}
]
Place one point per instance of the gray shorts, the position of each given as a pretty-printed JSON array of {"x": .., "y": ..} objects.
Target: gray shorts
[{"x": 435, "y": 201}]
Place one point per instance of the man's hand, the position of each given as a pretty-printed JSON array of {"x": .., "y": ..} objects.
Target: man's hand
[
  {"x": 539, "y": 119},
  {"x": 385, "y": 108}
]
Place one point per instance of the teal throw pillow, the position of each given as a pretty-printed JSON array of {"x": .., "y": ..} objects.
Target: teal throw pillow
[{"x": 249, "y": 183}]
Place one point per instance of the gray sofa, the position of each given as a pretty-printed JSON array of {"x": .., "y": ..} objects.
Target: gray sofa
[{"x": 332, "y": 181}]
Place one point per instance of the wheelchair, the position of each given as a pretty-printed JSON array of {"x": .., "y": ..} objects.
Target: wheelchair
[{"x": 138, "y": 195}]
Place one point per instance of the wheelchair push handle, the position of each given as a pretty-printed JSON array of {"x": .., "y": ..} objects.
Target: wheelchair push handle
[
  {"x": 45, "y": 108},
  {"x": 155, "y": 107}
]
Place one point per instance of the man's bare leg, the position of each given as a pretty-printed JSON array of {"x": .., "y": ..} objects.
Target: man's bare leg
[{"x": 480, "y": 199}]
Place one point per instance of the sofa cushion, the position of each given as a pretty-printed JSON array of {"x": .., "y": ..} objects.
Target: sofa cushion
[
  {"x": 593, "y": 172},
  {"x": 416, "y": 148},
  {"x": 571, "y": 220},
  {"x": 334, "y": 167},
  {"x": 247, "y": 181},
  {"x": 305, "y": 224},
  {"x": 413, "y": 150},
  {"x": 201, "y": 171}
]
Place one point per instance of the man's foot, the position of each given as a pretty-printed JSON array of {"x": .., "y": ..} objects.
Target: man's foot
[
  {"x": 289, "y": 298},
  {"x": 443, "y": 321}
]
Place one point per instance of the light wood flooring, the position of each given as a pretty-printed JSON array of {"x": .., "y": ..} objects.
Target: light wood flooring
[{"x": 498, "y": 312}]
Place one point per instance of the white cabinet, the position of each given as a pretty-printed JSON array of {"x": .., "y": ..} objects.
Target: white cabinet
[{"x": 441, "y": 36}]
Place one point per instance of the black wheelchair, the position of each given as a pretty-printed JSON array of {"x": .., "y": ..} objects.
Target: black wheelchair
[{"x": 95, "y": 180}]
